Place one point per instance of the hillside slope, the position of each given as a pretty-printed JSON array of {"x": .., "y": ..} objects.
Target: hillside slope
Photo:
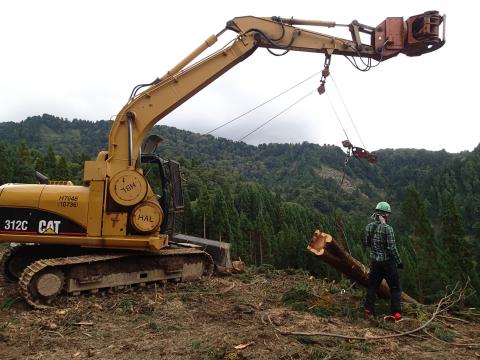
[
  {"x": 208, "y": 319},
  {"x": 306, "y": 173}
]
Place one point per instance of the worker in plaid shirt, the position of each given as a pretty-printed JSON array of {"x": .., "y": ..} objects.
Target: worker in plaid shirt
[{"x": 384, "y": 257}]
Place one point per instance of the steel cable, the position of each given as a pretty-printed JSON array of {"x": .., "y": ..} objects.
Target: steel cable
[
  {"x": 278, "y": 114},
  {"x": 263, "y": 103},
  {"x": 348, "y": 112}
]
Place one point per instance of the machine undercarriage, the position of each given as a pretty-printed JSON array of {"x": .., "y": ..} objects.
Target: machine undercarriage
[{"x": 43, "y": 272}]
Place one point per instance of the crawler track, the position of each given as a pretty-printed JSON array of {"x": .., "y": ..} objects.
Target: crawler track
[
  {"x": 43, "y": 280},
  {"x": 25, "y": 281},
  {"x": 15, "y": 259}
]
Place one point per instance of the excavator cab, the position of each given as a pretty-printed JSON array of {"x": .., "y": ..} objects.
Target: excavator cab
[{"x": 165, "y": 178}]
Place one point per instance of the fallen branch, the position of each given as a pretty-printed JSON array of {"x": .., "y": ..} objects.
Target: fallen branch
[
  {"x": 454, "y": 318},
  {"x": 221, "y": 292},
  {"x": 54, "y": 332},
  {"x": 349, "y": 337},
  {"x": 444, "y": 322},
  {"x": 224, "y": 291},
  {"x": 451, "y": 343},
  {"x": 243, "y": 346},
  {"x": 466, "y": 313},
  {"x": 140, "y": 326},
  {"x": 412, "y": 335},
  {"x": 444, "y": 303}
]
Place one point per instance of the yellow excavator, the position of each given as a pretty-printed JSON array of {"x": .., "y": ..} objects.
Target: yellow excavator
[{"x": 112, "y": 231}]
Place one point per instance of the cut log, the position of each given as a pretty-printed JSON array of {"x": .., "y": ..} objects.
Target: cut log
[{"x": 330, "y": 251}]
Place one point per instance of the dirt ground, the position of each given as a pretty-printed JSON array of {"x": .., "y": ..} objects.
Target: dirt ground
[{"x": 210, "y": 318}]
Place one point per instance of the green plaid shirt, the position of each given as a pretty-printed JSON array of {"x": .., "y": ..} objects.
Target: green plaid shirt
[{"x": 381, "y": 240}]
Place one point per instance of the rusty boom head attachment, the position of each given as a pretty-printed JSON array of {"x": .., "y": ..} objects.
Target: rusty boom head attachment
[{"x": 419, "y": 35}]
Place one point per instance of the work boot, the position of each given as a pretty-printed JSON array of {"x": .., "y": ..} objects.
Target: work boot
[{"x": 395, "y": 317}]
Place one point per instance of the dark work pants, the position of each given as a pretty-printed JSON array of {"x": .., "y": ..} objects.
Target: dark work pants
[{"x": 384, "y": 270}]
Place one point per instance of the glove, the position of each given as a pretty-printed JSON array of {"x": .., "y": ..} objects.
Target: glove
[{"x": 400, "y": 265}]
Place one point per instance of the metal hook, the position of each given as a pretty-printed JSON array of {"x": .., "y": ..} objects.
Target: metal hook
[{"x": 325, "y": 73}]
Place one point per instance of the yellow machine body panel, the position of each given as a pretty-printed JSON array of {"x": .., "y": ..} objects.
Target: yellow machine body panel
[
  {"x": 70, "y": 201},
  {"x": 115, "y": 224},
  {"x": 21, "y": 195},
  {"x": 34, "y": 209},
  {"x": 68, "y": 215},
  {"x": 66, "y": 200}
]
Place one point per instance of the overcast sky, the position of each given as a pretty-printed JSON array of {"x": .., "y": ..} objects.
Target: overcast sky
[{"x": 80, "y": 59}]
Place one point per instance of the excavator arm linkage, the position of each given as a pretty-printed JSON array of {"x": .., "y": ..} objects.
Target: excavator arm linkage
[{"x": 417, "y": 35}]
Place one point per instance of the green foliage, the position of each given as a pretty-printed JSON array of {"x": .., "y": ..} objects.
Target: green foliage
[
  {"x": 3, "y": 326},
  {"x": 298, "y": 294},
  {"x": 153, "y": 326},
  {"x": 8, "y": 302},
  {"x": 421, "y": 251},
  {"x": 444, "y": 334},
  {"x": 202, "y": 350},
  {"x": 125, "y": 305}
]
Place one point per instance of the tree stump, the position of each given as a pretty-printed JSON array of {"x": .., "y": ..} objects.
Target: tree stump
[{"x": 330, "y": 251}]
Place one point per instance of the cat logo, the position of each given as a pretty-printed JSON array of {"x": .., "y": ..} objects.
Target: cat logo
[{"x": 49, "y": 227}]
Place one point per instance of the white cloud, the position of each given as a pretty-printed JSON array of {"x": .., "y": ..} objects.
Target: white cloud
[{"x": 80, "y": 59}]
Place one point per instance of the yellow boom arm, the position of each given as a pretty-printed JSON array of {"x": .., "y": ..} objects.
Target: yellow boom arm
[{"x": 418, "y": 35}]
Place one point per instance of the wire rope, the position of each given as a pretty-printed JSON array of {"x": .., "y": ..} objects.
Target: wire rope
[
  {"x": 347, "y": 111},
  {"x": 337, "y": 116},
  {"x": 344, "y": 170},
  {"x": 277, "y": 115},
  {"x": 263, "y": 103}
]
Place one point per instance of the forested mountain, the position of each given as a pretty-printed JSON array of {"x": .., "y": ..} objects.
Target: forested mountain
[
  {"x": 267, "y": 199},
  {"x": 306, "y": 173}
]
